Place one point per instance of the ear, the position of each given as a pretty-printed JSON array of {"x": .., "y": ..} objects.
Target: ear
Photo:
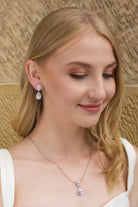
[{"x": 32, "y": 72}]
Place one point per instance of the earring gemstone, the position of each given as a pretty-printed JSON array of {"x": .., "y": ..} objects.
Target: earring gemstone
[
  {"x": 38, "y": 95},
  {"x": 38, "y": 87}
]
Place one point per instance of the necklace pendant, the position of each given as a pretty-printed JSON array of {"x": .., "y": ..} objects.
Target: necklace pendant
[{"x": 79, "y": 191}]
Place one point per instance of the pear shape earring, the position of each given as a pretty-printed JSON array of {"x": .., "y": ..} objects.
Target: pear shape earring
[{"x": 38, "y": 95}]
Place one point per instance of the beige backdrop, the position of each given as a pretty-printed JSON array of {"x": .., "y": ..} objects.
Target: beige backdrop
[{"x": 18, "y": 19}]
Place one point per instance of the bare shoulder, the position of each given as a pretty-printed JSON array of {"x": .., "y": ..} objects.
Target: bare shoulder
[
  {"x": 136, "y": 149},
  {"x": 19, "y": 148},
  {"x": 24, "y": 156},
  {"x": 133, "y": 194},
  {"x": 136, "y": 164},
  {"x": 23, "y": 150},
  {"x": 21, "y": 154}
]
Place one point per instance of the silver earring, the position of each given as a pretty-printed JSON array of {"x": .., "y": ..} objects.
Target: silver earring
[{"x": 38, "y": 95}]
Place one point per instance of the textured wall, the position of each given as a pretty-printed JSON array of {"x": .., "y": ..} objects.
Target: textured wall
[{"x": 18, "y": 19}]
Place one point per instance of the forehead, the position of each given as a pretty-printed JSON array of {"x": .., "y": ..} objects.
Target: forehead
[{"x": 88, "y": 46}]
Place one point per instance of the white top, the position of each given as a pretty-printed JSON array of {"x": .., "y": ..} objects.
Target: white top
[
  {"x": 7, "y": 178},
  {"x": 8, "y": 182}
]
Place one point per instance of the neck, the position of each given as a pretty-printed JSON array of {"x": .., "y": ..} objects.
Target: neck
[{"x": 62, "y": 140}]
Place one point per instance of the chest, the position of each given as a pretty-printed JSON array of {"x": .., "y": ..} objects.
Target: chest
[{"x": 39, "y": 185}]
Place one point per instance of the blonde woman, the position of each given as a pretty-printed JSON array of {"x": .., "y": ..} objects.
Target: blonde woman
[{"x": 72, "y": 82}]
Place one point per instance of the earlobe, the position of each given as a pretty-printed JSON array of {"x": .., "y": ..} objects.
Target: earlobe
[{"x": 32, "y": 72}]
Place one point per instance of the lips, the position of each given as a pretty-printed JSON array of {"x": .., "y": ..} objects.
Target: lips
[{"x": 92, "y": 108}]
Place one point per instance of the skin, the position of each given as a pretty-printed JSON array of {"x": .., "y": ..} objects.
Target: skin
[{"x": 62, "y": 131}]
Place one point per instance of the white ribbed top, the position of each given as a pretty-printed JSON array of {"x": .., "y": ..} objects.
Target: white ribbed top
[{"x": 7, "y": 178}]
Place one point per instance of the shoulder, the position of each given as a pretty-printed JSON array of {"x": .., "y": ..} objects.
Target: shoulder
[
  {"x": 15, "y": 158},
  {"x": 24, "y": 156},
  {"x": 21, "y": 150},
  {"x": 133, "y": 194},
  {"x": 136, "y": 151},
  {"x": 136, "y": 163}
]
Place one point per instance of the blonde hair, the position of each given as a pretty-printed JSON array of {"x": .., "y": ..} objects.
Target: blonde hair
[{"x": 56, "y": 29}]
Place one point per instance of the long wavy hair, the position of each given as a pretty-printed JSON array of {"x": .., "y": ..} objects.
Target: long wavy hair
[{"x": 55, "y": 30}]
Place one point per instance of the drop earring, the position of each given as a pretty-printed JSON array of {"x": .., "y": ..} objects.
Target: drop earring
[{"x": 38, "y": 95}]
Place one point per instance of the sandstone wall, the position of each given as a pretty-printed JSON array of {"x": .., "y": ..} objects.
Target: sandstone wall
[{"x": 18, "y": 19}]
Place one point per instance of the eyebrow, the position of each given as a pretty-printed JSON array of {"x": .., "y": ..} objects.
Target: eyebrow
[
  {"x": 87, "y": 65},
  {"x": 111, "y": 64}
]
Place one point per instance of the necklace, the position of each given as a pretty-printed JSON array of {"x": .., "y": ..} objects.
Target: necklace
[{"x": 79, "y": 191}]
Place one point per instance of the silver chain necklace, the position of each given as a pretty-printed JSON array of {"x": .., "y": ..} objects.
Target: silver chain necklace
[{"x": 77, "y": 183}]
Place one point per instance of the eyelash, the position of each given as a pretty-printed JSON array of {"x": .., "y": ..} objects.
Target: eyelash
[
  {"x": 105, "y": 75},
  {"x": 78, "y": 76}
]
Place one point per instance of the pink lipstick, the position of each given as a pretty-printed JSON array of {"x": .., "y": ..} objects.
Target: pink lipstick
[{"x": 92, "y": 108}]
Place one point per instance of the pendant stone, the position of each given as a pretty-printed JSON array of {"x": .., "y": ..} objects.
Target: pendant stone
[{"x": 79, "y": 190}]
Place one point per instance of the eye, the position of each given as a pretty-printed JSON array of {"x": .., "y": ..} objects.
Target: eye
[
  {"x": 108, "y": 75},
  {"x": 78, "y": 76}
]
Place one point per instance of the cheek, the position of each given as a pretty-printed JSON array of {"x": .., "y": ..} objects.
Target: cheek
[
  {"x": 68, "y": 91},
  {"x": 62, "y": 89}
]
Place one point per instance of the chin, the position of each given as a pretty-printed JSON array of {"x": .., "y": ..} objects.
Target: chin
[{"x": 88, "y": 124}]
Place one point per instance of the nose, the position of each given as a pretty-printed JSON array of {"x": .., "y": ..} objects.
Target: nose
[{"x": 97, "y": 90}]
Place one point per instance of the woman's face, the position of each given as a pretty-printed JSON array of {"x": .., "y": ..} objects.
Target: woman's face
[{"x": 78, "y": 80}]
